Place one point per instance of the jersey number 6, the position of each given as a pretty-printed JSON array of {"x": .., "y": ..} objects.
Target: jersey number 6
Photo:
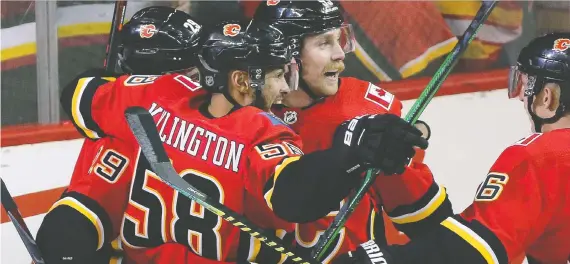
[{"x": 492, "y": 187}]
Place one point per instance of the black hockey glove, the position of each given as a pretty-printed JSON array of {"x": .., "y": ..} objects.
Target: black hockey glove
[
  {"x": 383, "y": 141},
  {"x": 367, "y": 253}
]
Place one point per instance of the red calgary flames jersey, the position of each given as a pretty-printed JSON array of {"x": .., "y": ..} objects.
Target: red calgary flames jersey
[
  {"x": 100, "y": 185},
  {"x": 223, "y": 157},
  {"x": 317, "y": 123},
  {"x": 316, "y": 126},
  {"x": 524, "y": 201}
]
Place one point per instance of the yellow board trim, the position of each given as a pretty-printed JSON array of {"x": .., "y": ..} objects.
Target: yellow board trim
[{"x": 85, "y": 29}]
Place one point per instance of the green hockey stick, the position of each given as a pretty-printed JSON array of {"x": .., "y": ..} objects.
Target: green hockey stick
[{"x": 412, "y": 116}]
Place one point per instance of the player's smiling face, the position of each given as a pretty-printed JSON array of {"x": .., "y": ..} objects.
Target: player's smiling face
[
  {"x": 274, "y": 88},
  {"x": 322, "y": 60}
]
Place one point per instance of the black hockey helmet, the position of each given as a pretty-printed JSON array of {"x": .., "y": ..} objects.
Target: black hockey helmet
[
  {"x": 545, "y": 59},
  {"x": 227, "y": 46},
  {"x": 158, "y": 40},
  {"x": 299, "y": 18}
]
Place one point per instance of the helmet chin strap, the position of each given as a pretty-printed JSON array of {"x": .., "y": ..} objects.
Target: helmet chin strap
[
  {"x": 227, "y": 95},
  {"x": 259, "y": 101},
  {"x": 539, "y": 121},
  {"x": 305, "y": 87},
  {"x": 294, "y": 45}
]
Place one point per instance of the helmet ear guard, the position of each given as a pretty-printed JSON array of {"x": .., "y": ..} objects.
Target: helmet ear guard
[{"x": 210, "y": 78}]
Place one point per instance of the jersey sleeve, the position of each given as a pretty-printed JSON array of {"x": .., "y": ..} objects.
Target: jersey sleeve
[
  {"x": 273, "y": 151},
  {"x": 512, "y": 187},
  {"x": 413, "y": 201},
  {"x": 94, "y": 201},
  {"x": 96, "y": 105},
  {"x": 76, "y": 102},
  {"x": 497, "y": 226},
  {"x": 100, "y": 185}
]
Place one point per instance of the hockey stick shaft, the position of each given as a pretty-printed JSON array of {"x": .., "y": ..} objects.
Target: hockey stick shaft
[
  {"x": 112, "y": 45},
  {"x": 21, "y": 227},
  {"x": 144, "y": 129},
  {"x": 411, "y": 117}
]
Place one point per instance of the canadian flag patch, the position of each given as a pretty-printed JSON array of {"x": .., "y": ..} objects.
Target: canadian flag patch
[{"x": 379, "y": 96}]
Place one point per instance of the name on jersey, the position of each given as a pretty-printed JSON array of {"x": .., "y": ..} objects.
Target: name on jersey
[{"x": 197, "y": 141}]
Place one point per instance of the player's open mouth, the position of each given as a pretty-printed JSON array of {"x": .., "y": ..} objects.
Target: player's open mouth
[{"x": 331, "y": 75}]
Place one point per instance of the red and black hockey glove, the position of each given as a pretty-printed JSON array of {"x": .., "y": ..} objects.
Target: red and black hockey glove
[{"x": 383, "y": 141}]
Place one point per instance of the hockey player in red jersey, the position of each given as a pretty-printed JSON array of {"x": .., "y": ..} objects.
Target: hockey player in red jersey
[
  {"x": 523, "y": 204},
  {"x": 93, "y": 214},
  {"x": 320, "y": 39},
  {"x": 217, "y": 141}
]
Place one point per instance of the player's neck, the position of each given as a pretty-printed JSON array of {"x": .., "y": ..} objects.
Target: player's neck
[
  {"x": 298, "y": 99},
  {"x": 563, "y": 123},
  {"x": 219, "y": 105}
]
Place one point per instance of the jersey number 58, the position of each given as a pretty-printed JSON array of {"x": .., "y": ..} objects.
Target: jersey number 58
[{"x": 156, "y": 214}]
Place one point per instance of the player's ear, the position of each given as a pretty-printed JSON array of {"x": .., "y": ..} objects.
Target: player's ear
[
  {"x": 552, "y": 96},
  {"x": 239, "y": 80},
  {"x": 548, "y": 97}
]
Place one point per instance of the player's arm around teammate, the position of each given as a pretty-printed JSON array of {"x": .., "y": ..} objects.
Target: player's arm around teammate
[
  {"x": 101, "y": 111},
  {"x": 319, "y": 38},
  {"x": 80, "y": 226},
  {"x": 366, "y": 142}
]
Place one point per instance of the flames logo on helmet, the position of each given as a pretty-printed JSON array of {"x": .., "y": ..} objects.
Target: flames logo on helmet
[
  {"x": 231, "y": 30},
  {"x": 561, "y": 44},
  {"x": 147, "y": 31}
]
